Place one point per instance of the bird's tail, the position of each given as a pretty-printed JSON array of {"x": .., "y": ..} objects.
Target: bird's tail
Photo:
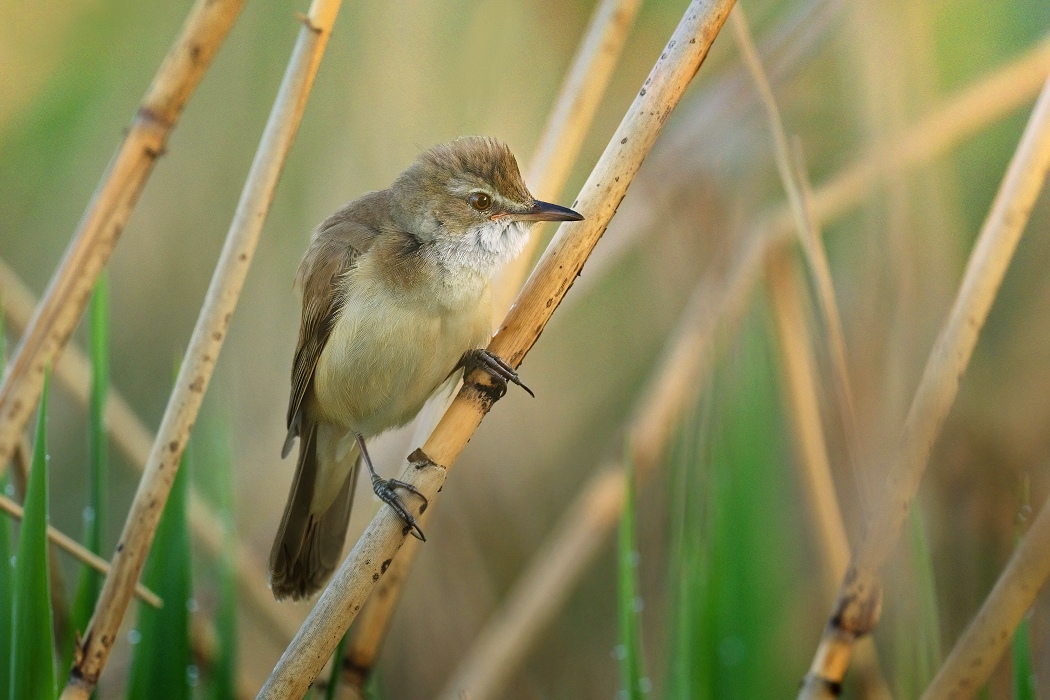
[{"x": 309, "y": 542}]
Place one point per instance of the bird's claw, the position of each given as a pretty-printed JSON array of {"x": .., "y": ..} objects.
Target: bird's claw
[
  {"x": 496, "y": 367},
  {"x": 386, "y": 489}
]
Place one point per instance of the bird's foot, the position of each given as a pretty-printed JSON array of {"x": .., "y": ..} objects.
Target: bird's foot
[
  {"x": 496, "y": 367},
  {"x": 386, "y": 489}
]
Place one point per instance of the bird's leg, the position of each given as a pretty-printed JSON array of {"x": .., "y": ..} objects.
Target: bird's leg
[
  {"x": 386, "y": 490},
  {"x": 496, "y": 368}
]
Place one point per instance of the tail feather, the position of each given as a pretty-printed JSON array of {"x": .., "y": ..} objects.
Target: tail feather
[{"x": 310, "y": 538}]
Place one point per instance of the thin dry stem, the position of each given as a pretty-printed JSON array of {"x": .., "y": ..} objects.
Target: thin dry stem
[
  {"x": 560, "y": 265},
  {"x": 203, "y": 350},
  {"x": 803, "y": 409},
  {"x": 802, "y": 405},
  {"x": 859, "y": 602},
  {"x": 801, "y": 211},
  {"x": 134, "y": 440},
  {"x": 70, "y": 288},
  {"x": 568, "y": 124},
  {"x": 79, "y": 552},
  {"x": 800, "y": 377},
  {"x": 976, "y": 654}
]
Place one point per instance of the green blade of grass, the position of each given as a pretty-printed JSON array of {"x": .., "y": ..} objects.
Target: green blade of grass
[
  {"x": 1021, "y": 654},
  {"x": 32, "y": 628},
  {"x": 224, "y": 670},
  {"x": 94, "y": 515},
  {"x": 373, "y": 688},
  {"x": 929, "y": 639},
  {"x": 690, "y": 553},
  {"x": 331, "y": 692},
  {"x": 162, "y": 665},
  {"x": 1021, "y": 645},
  {"x": 212, "y": 477},
  {"x": 633, "y": 683},
  {"x": 913, "y": 637},
  {"x": 7, "y": 574},
  {"x": 735, "y": 530},
  {"x": 7, "y": 571}
]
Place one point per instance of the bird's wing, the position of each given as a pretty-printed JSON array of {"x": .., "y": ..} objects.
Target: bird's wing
[{"x": 338, "y": 244}]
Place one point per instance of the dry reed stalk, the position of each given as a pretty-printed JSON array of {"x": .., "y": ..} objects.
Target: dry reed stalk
[
  {"x": 857, "y": 608},
  {"x": 96, "y": 235},
  {"x": 803, "y": 409},
  {"x": 800, "y": 377},
  {"x": 79, "y": 552},
  {"x": 786, "y": 302},
  {"x": 134, "y": 440},
  {"x": 802, "y": 406},
  {"x": 718, "y": 302},
  {"x": 204, "y": 347},
  {"x": 523, "y": 614},
  {"x": 559, "y": 146},
  {"x": 978, "y": 650},
  {"x": 558, "y": 268},
  {"x": 800, "y": 206},
  {"x": 568, "y": 124}
]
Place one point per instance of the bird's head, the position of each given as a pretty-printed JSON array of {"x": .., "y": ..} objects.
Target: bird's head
[{"x": 467, "y": 202}]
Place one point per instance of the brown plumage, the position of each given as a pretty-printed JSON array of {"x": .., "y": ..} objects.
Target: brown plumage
[{"x": 396, "y": 289}]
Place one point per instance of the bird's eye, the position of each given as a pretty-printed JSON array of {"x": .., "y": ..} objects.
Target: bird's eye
[{"x": 480, "y": 201}]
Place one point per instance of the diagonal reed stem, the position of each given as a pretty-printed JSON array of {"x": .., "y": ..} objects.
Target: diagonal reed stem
[
  {"x": 548, "y": 578},
  {"x": 79, "y": 551},
  {"x": 858, "y": 606},
  {"x": 800, "y": 377},
  {"x": 204, "y": 347},
  {"x": 570, "y": 120},
  {"x": 814, "y": 466},
  {"x": 791, "y": 177},
  {"x": 98, "y": 231},
  {"x": 976, "y": 654},
  {"x": 560, "y": 265}
]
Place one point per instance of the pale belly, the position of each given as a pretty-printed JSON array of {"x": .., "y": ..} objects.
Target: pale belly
[{"x": 383, "y": 360}]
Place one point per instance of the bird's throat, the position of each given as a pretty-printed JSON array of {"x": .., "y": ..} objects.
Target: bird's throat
[{"x": 482, "y": 250}]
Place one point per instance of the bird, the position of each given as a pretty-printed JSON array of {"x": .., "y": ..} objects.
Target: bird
[{"x": 396, "y": 301}]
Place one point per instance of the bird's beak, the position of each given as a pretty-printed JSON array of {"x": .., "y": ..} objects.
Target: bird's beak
[{"x": 545, "y": 211}]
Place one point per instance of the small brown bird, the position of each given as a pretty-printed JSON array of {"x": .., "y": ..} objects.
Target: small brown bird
[{"x": 396, "y": 291}]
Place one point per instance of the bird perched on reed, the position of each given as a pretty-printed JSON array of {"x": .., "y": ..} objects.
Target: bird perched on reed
[{"x": 396, "y": 291}]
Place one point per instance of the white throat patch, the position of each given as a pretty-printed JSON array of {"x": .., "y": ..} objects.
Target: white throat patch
[{"x": 483, "y": 250}]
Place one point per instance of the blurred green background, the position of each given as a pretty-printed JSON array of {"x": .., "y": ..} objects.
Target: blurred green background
[{"x": 400, "y": 76}]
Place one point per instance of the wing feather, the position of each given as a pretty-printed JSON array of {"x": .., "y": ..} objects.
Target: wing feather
[{"x": 336, "y": 247}]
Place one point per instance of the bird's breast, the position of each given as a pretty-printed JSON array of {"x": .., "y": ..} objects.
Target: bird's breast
[{"x": 391, "y": 348}]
